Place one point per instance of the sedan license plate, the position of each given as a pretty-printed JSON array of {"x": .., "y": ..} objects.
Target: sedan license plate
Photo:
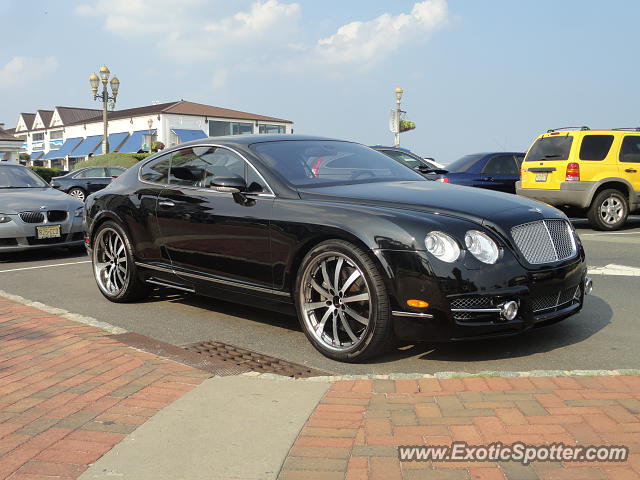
[
  {"x": 541, "y": 177},
  {"x": 52, "y": 231}
]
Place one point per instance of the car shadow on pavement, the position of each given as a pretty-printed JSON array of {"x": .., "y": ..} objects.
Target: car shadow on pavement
[
  {"x": 633, "y": 222},
  {"x": 44, "y": 254},
  {"x": 571, "y": 331}
]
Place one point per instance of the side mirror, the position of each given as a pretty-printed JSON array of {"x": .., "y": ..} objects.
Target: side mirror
[{"x": 229, "y": 184}]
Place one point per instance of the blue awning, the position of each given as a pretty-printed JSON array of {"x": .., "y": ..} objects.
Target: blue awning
[
  {"x": 116, "y": 139},
  {"x": 87, "y": 146},
  {"x": 134, "y": 143},
  {"x": 188, "y": 135},
  {"x": 64, "y": 150},
  {"x": 36, "y": 155}
]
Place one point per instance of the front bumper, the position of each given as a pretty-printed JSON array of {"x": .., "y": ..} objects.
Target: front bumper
[
  {"x": 18, "y": 235},
  {"x": 575, "y": 194},
  {"x": 467, "y": 303}
]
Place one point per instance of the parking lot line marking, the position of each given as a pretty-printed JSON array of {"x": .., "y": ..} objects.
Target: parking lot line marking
[
  {"x": 608, "y": 233},
  {"x": 613, "y": 269},
  {"x": 44, "y": 266}
]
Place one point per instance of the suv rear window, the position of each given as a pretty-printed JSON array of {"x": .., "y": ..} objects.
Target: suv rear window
[
  {"x": 595, "y": 147},
  {"x": 550, "y": 148}
]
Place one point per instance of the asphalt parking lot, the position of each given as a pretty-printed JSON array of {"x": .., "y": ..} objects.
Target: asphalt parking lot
[{"x": 603, "y": 336}]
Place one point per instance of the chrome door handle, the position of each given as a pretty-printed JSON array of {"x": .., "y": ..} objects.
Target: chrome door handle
[{"x": 166, "y": 203}]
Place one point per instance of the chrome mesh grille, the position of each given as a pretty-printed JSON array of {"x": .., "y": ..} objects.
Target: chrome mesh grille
[
  {"x": 555, "y": 300},
  {"x": 32, "y": 217},
  {"x": 545, "y": 241},
  {"x": 469, "y": 303}
]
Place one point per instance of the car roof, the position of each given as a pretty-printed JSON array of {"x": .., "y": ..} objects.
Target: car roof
[{"x": 246, "y": 140}]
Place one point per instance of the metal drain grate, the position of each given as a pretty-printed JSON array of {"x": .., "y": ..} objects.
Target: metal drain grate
[{"x": 251, "y": 361}]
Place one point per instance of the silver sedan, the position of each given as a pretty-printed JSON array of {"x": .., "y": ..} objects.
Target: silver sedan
[{"x": 34, "y": 215}]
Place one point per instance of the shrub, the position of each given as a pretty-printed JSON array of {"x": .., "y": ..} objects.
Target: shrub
[
  {"x": 114, "y": 159},
  {"x": 47, "y": 173},
  {"x": 25, "y": 157}
]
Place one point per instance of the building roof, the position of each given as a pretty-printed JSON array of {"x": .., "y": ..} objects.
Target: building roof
[
  {"x": 190, "y": 108},
  {"x": 6, "y": 137},
  {"x": 28, "y": 119},
  {"x": 69, "y": 115},
  {"x": 10, "y": 131},
  {"x": 46, "y": 115},
  {"x": 183, "y": 107}
]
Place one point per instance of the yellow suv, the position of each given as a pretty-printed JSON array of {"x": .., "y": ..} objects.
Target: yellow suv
[{"x": 594, "y": 171}]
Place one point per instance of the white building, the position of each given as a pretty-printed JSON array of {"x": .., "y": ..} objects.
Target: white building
[{"x": 63, "y": 136}]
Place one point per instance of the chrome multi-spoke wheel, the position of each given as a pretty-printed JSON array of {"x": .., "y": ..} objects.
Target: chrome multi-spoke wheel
[
  {"x": 609, "y": 210},
  {"x": 78, "y": 193},
  {"x": 110, "y": 262},
  {"x": 341, "y": 301},
  {"x": 113, "y": 265}
]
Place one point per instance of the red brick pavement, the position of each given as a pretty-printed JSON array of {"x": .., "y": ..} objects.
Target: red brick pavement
[
  {"x": 356, "y": 429},
  {"x": 69, "y": 393}
]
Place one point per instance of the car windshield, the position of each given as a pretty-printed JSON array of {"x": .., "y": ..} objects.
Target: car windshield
[
  {"x": 550, "y": 148},
  {"x": 463, "y": 164},
  {"x": 19, "y": 177},
  {"x": 408, "y": 160},
  {"x": 311, "y": 163}
]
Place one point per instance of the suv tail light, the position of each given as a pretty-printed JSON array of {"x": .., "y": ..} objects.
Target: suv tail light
[
  {"x": 443, "y": 179},
  {"x": 573, "y": 172}
]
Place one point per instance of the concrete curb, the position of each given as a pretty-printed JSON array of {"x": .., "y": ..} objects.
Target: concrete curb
[{"x": 74, "y": 317}]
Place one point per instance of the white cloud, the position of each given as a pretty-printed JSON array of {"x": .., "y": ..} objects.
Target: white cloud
[
  {"x": 131, "y": 18},
  {"x": 363, "y": 42},
  {"x": 22, "y": 70}
]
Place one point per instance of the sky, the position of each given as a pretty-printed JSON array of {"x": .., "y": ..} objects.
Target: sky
[{"x": 478, "y": 75}]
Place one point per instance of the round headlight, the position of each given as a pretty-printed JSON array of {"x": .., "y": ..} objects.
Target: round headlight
[
  {"x": 442, "y": 246},
  {"x": 481, "y": 246}
]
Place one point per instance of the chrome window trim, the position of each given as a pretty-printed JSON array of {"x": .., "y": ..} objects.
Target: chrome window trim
[
  {"x": 270, "y": 194},
  {"x": 214, "y": 280}
]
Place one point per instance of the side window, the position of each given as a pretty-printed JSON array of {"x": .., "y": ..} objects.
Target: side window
[
  {"x": 630, "y": 150},
  {"x": 595, "y": 147},
  {"x": 91, "y": 173},
  {"x": 198, "y": 166},
  {"x": 519, "y": 160},
  {"x": 501, "y": 165},
  {"x": 157, "y": 171},
  {"x": 114, "y": 172}
]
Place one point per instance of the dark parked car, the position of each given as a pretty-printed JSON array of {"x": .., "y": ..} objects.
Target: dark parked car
[
  {"x": 83, "y": 182},
  {"x": 361, "y": 259},
  {"x": 424, "y": 166},
  {"x": 34, "y": 215},
  {"x": 494, "y": 171}
]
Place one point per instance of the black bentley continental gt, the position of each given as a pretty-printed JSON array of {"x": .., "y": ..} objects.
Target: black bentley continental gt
[{"x": 365, "y": 251}]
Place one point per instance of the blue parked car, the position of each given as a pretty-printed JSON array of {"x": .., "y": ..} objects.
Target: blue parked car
[{"x": 494, "y": 171}]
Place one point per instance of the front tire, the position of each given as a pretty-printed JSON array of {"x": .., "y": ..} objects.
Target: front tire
[
  {"x": 609, "y": 210},
  {"x": 114, "y": 267},
  {"x": 342, "y": 302}
]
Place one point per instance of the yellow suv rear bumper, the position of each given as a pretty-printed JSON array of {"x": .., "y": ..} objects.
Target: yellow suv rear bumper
[{"x": 575, "y": 194}]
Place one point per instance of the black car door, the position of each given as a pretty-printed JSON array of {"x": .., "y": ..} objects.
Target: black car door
[{"x": 211, "y": 236}]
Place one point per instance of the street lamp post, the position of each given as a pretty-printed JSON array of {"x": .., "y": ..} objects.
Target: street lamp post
[
  {"x": 399, "y": 93},
  {"x": 94, "y": 80}
]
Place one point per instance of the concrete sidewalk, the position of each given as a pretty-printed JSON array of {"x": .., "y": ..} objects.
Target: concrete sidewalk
[{"x": 75, "y": 403}]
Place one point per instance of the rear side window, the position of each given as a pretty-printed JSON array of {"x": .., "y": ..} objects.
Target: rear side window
[
  {"x": 157, "y": 171},
  {"x": 91, "y": 173},
  {"x": 501, "y": 165},
  {"x": 463, "y": 164},
  {"x": 630, "y": 150},
  {"x": 595, "y": 147},
  {"x": 550, "y": 148}
]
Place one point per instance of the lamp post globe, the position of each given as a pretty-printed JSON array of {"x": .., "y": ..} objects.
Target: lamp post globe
[{"x": 104, "y": 97}]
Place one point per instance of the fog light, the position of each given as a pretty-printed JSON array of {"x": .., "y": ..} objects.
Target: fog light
[
  {"x": 509, "y": 310},
  {"x": 417, "y": 303},
  {"x": 588, "y": 286}
]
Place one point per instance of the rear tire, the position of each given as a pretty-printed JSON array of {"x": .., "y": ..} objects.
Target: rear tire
[
  {"x": 343, "y": 303},
  {"x": 114, "y": 267},
  {"x": 79, "y": 193},
  {"x": 609, "y": 210}
]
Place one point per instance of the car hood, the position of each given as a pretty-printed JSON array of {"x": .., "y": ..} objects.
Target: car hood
[
  {"x": 475, "y": 204},
  {"x": 15, "y": 200}
]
